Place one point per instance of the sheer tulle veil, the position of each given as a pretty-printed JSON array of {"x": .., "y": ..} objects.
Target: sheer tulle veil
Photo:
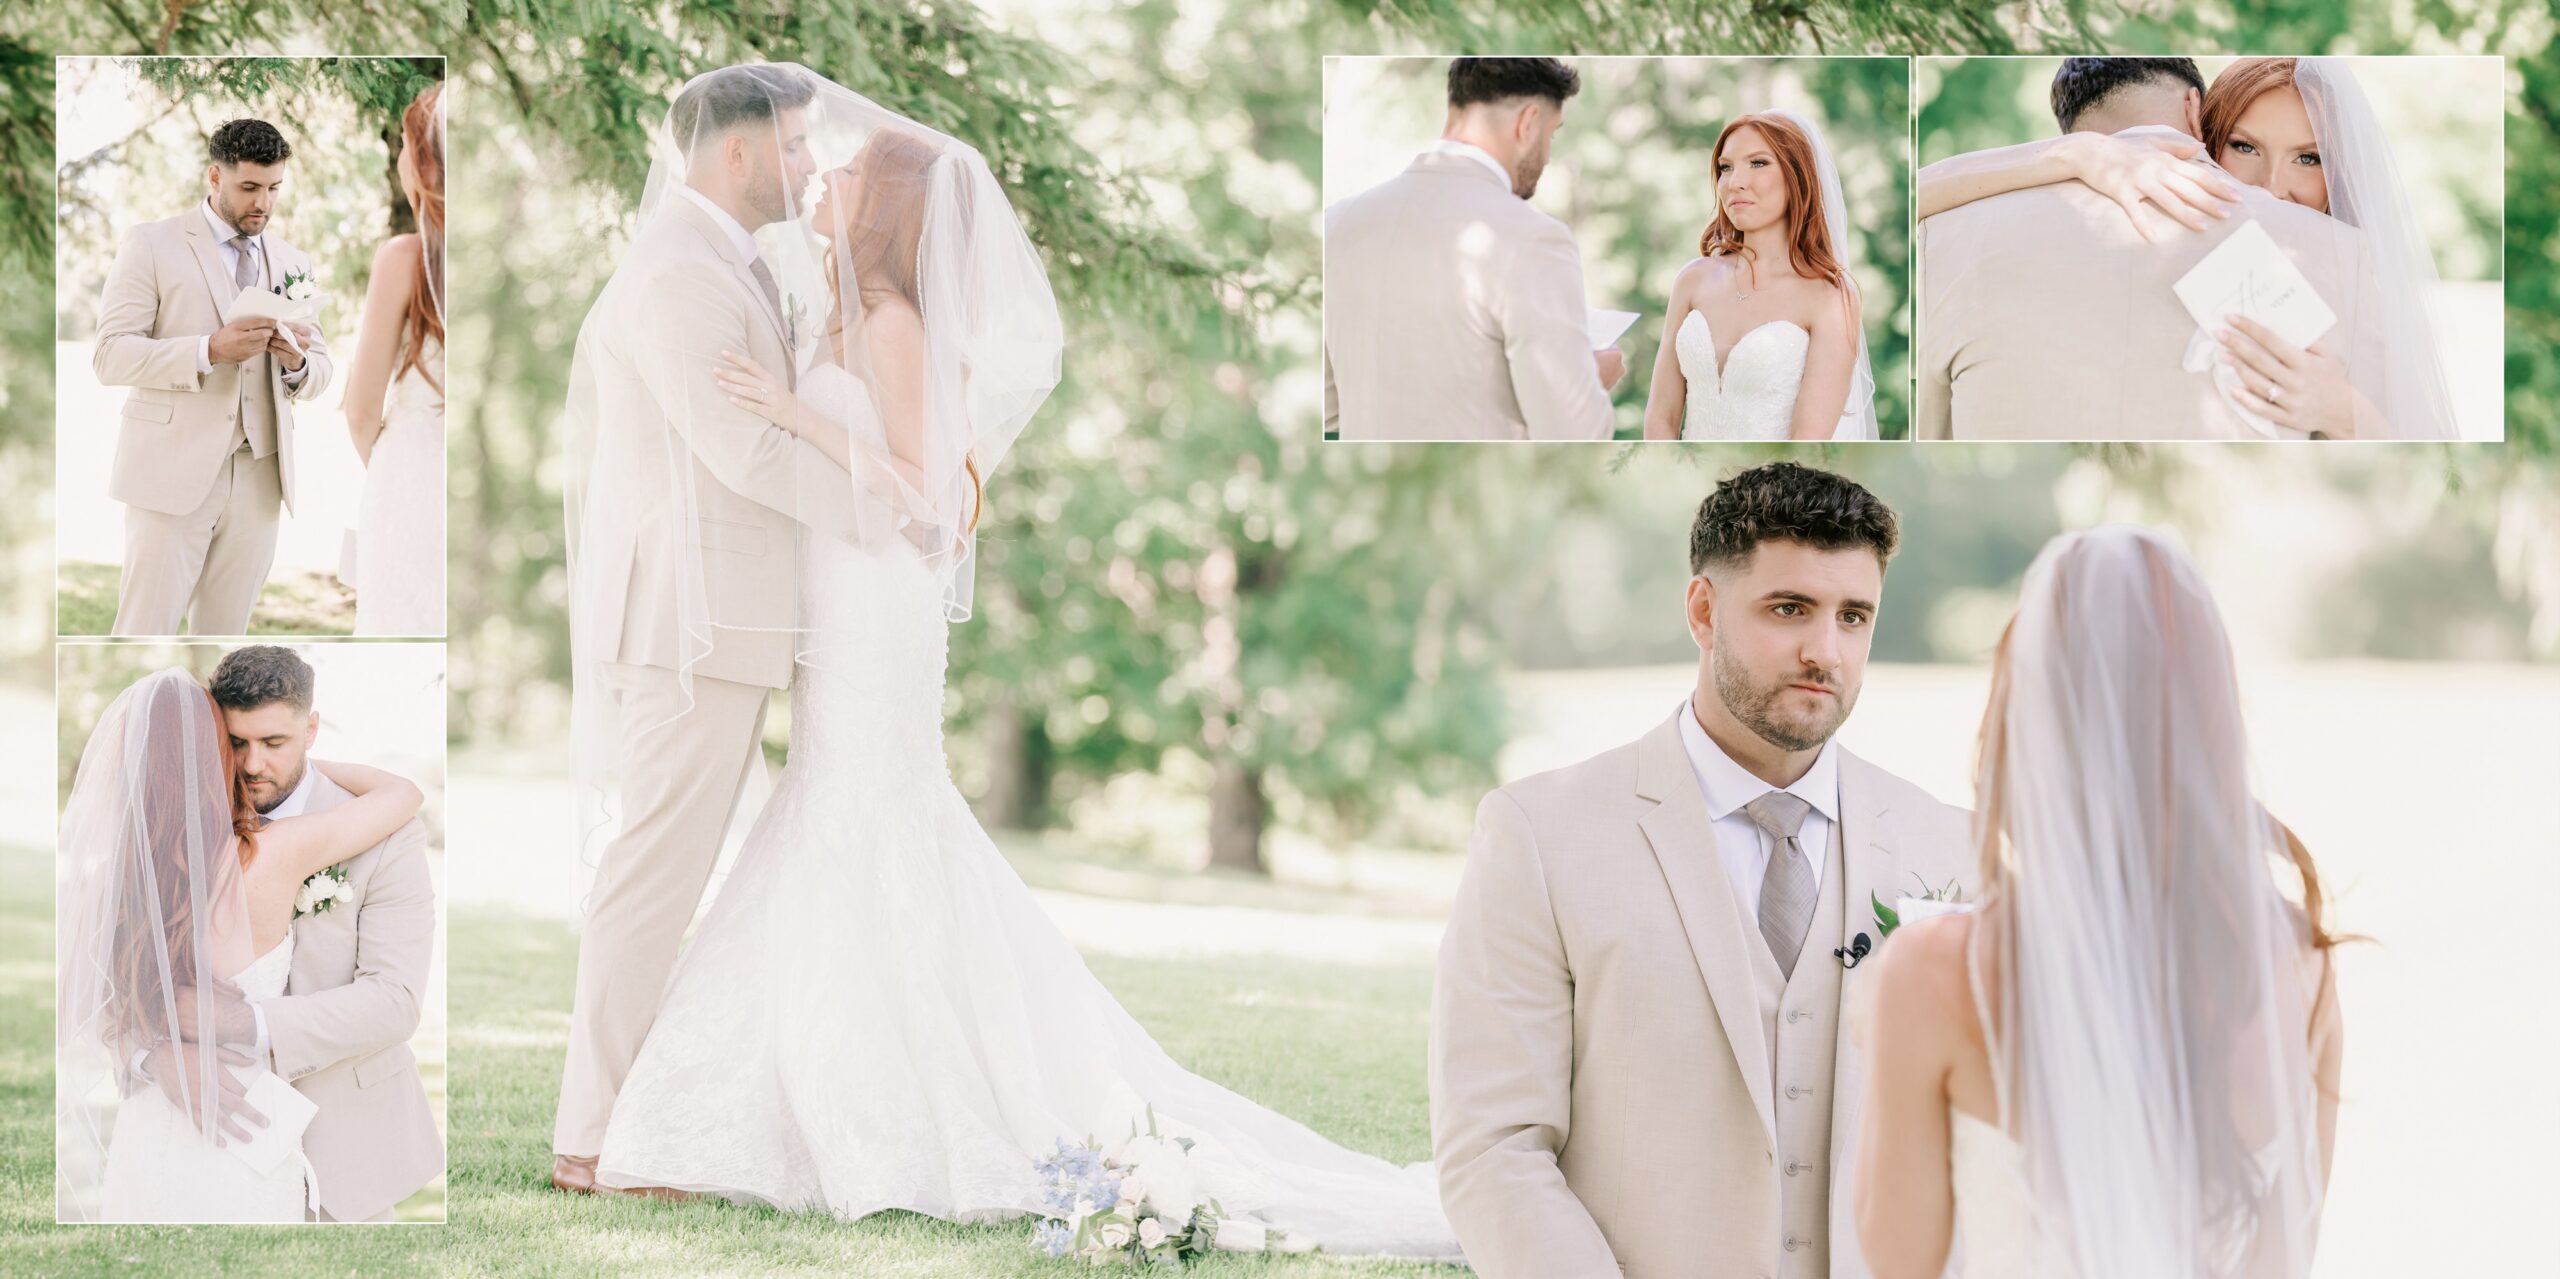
[{"x": 2147, "y": 1014}]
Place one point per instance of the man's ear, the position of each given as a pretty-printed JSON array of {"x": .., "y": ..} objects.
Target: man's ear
[
  {"x": 1524, "y": 126},
  {"x": 212, "y": 178},
  {"x": 2193, "y": 102},
  {"x": 311, "y": 731},
  {"x": 1700, "y": 606}
]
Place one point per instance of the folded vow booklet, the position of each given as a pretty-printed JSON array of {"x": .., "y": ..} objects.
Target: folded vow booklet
[
  {"x": 288, "y": 1112},
  {"x": 2248, "y": 275}
]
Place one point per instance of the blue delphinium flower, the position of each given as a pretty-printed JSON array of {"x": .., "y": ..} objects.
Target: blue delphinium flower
[{"x": 1053, "y": 1238}]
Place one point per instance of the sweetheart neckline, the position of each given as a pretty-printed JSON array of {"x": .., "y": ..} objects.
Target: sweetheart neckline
[{"x": 1721, "y": 364}]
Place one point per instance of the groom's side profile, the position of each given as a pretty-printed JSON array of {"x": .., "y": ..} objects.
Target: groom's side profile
[
  {"x": 204, "y": 452},
  {"x": 2044, "y": 314},
  {"x": 684, "y": 547},
  {"x": 1453, "y": 309},
  {"x": 1636, "y": 1065}
]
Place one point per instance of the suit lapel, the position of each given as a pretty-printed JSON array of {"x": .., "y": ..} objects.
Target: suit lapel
[
  {"x": 208, "y": 257},
  {"x": 1683, "y": 840},
  {"x": 307, "y": 960},
  {"x": 721, "y": 244},
  {"x": 1870, "y": 870}
]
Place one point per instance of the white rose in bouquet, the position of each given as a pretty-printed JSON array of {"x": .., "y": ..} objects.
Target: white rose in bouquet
[
  {"x": 1116, "y": 1235},
  {"x": 1151, "y": 1233}
]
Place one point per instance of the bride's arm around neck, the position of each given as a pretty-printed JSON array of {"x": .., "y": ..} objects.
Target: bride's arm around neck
[
  {"x": 1830, "y": 365},
  {"x": 383, "y": 802},
  {"x": 386, "y": 305}
]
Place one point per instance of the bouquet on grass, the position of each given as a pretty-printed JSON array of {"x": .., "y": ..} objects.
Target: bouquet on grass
[{"x": 1139, "y": 1205}]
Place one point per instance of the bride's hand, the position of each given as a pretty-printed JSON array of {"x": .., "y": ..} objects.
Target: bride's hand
[
  {"x": 2291, "y": 386},
  {"x": 751, "y": 388},
  {"x": 2153, "y": 171}
]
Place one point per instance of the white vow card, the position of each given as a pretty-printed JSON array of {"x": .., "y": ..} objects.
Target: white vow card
[
  {"x": 260, "y": 304},
  {"x": 288, "y": 1112},
  {"x": 2248, "y": 275},
  {"x": 1605, "y": 327}
]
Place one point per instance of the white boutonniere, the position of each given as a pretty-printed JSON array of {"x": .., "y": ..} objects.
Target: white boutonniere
[
  {"x": 298, "y": 286},
  {"x": 325, "y": 888},
  {"x": 794, "y": 312},
  {"x": 1945, "y": 899}
]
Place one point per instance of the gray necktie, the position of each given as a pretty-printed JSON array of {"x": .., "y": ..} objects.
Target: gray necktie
[
  {"x": 773, "y": 298},
  {"x": 1787, "y": 888},
  {"x": 257, "y": 411},
  {"x": 245, "y": 273}
]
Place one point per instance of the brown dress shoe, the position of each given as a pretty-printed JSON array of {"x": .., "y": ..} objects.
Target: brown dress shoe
[{"x": 574, "y": 1175}]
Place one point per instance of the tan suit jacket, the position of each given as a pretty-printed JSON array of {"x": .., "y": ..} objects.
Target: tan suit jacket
[
  {"x": 1454, "y": 311},
  {"x": 165, "y": 293},
  {"x": 2044, "y": 315},
  {"x": 1601, "y": 1091},
  {"x": 681, "y": 295},
  {"x": 341, "y": 1031}
]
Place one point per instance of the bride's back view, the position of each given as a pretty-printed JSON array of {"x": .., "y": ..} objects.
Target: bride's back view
[{"x": 2147, "y": 1010}]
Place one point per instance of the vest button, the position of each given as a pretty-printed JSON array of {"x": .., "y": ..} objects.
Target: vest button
[
  {"x": 1796, "y": 1014},
  {"x": 1793, "y": 1167},
  {"x": 1794, "y": 1243},
  {"x": 1794, "y": 1092}
]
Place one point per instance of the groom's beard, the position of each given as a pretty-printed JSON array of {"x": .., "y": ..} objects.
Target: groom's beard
[
  {"x": 1757, "y": 707},
  {"x": 283, "y": 788}
]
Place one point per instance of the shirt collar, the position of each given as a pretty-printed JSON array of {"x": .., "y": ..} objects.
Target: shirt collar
[
  {"x": 300, "y": 799},
  {"x": 1728, "y": 785},
  {"x": 729, "y": 226},
  {"x": 222, "y": 231},
  {"x": 1451, "y": 146}
]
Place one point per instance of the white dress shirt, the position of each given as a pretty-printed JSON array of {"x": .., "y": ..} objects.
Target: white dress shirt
[
  {"x": 226, "y": 241},
  {"x": 1729, "y": 786},
  {"x": 1451, "y": 146}
]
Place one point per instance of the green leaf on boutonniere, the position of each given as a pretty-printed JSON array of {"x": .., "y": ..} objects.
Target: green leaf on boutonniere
[{"x": 1887, "y": 918}]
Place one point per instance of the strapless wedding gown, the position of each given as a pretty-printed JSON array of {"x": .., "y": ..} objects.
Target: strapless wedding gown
[
  {"x": 400, "y": 548},
  {"x": 1754, "y": 396},
  {"x": 876, "y": 1014},
  {"x": 1995, "y": 1211},
  {"x": 160, "y": 1168}
]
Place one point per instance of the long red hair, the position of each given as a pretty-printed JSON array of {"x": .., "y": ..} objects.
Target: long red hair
[
  {"x": 1808, "y": 236},
  {"x": 2240, "y": 84},
  {"x": 422, "y": 140},
  {"x": 887, "y": 228}
]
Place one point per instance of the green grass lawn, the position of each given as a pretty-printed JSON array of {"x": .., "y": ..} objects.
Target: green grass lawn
[
  {"x": 292, "y": 603},
  {"x": 1338, "y": 1047}
]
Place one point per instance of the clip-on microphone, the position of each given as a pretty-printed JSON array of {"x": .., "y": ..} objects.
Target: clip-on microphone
[{"x": 1856, "y": 950}]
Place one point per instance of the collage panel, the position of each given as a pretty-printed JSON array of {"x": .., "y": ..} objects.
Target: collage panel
[
  {"x": 249, "y": 275},
  {"x": 1578, "y": 248},
  {"x": 2211, "y": 249},
  {"x": 250, "y": 933}
]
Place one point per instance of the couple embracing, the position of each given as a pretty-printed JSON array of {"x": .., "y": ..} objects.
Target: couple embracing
[{"x": 1730, "y": 1000}]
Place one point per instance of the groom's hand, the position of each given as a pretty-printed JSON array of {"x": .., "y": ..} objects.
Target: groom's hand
[
  {"x": 286, "y": 353},
  {"x": 240, "y": 339},
  {"x": 1613, "y": 366},
  {"x": 177, "y": 1066}
]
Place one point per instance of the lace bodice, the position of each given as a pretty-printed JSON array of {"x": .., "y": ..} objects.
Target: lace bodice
[
  {"x": 1754, "y": 396},
  {"x": 264, "y": 978}
]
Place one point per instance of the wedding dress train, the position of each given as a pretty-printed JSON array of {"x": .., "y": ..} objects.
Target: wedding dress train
[
  {"x": 161, "y": 1168},
  {"x": 875, "y": 1013}
]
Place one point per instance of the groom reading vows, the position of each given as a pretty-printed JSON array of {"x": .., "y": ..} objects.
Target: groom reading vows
[
  {"x": 1636, "y": 1064},
  {"x": 1454, "y": 310},
  {"x": 204, "y": 453},
  {"x": 2044, "y": 314}
]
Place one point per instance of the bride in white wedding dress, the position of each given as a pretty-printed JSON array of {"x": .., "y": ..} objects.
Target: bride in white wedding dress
[
  {"x": 1765, "y": 337},
  {"x": 2124, "y": 1064},
  {"x": 395, "y": 402},
  {"x": 177, "y": 912},
  {"x": 875, "y": 1014}
]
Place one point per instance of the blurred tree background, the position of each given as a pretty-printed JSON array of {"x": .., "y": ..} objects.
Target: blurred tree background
[
  {"x": 1180, "y": 583},
  {"x": 1632, "y": 173}
]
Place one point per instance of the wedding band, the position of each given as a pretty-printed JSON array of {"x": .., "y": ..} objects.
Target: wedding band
[{"x": 2275, "y": 393}]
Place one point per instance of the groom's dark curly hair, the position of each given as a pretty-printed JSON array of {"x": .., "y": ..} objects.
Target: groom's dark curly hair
[
  {"x": 1474, "y": 80},
  {"x": 247, "y": 141},
  {"x": 2083, "y": 83},
  {"x": 251, "y": 677},
  {"x": 1785, "y": 502},
  {"x": 735, "y": 95}
]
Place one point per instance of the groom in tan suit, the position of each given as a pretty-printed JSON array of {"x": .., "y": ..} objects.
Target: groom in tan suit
[
  {"x": 2044, "y": 315},
  {"x": 1453, "y": 309},
  {"x": 688, "y": 707},
  {"x": 1636, "y": 1064},
  {"x": 205, "y": 452}
]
